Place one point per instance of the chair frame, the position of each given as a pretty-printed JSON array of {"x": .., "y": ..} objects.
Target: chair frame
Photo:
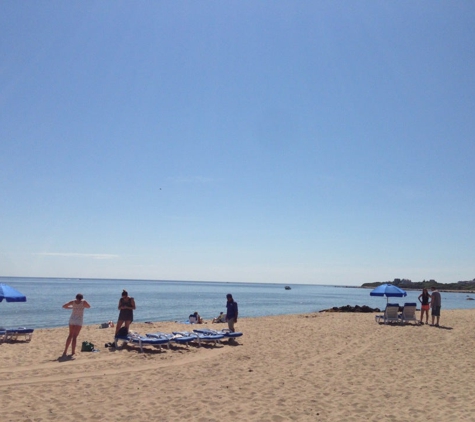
[{"x": 12, "y": 334}]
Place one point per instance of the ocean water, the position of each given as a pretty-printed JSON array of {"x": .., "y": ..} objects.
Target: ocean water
[{"x": 175, "y": 300}]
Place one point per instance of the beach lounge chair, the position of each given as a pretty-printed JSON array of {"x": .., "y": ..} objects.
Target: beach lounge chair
[
  {"x": 201, "y": 338},
  {"x": 408, "y": 313},
  {"x": 226, "y": 332},
  {"x": 173, "y": 338},
  {"x": 15, "y": 333},
  {"x": 390, "y": 314},
  {"x": 142, "y": 341}
]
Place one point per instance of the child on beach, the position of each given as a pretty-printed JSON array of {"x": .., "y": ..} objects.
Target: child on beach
[{"x": 75, "y": 321}]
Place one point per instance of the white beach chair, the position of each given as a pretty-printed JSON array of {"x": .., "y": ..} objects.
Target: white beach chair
[
  {"x": 408, "y": 313},
  {"x": 390, "y": 314}
]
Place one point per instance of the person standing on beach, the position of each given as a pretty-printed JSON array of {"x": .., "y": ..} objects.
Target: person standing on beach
[
  {"x": 436, "y": 303},
  {"x": 75, "y": 321},
  {"x": 232, "y": 312},
  {"x": 126, "y": 314},
  {"x": 424, "y": 298}
]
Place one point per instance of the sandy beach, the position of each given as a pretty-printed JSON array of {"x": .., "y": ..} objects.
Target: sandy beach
[{"x": 314, "y": 367}]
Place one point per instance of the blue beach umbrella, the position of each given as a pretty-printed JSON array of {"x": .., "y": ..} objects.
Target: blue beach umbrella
[
  {"x": 10, "y": 294},
  {"x": 388, "y": 290}
]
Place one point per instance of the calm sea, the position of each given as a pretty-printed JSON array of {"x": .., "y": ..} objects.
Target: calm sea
[{"x": 175, "y": 300}]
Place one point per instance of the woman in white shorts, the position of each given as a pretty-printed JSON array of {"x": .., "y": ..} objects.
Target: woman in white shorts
[{"x": 75, "y": 321}]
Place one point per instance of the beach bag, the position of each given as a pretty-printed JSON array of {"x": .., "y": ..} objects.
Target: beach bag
[
  {"x": 123, "y": 332},
  {"x": 87, "y": 346}
]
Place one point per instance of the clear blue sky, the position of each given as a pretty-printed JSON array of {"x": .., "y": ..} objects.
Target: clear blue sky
[{"x": 324, "y": 142}]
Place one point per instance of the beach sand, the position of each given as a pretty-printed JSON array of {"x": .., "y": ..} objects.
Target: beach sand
[{"x": 315, "y": 367}]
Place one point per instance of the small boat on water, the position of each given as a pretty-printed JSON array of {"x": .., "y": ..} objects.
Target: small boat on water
[{"x": 287, "y": 287}]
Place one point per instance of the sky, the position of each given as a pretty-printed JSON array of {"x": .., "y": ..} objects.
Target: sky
[{"x": 321, "y": 142}]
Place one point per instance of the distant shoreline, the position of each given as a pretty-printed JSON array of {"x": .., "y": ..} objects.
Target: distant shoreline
[{"x": 412, "y": 289}]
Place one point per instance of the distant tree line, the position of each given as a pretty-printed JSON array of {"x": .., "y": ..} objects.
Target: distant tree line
[{"x": 405, "y": 283}]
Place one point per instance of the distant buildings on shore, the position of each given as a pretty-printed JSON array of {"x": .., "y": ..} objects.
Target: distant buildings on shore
[{"x": 409, "y": 284}]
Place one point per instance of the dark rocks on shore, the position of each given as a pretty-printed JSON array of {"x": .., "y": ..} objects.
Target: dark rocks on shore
[{"x": 349, "y": 308}]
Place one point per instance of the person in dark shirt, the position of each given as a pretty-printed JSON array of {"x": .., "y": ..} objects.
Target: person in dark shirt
[
  {"x": 232, "y": 312},
  {"x": 126, "y": 314},
  {"x": 424, "y": 298}
]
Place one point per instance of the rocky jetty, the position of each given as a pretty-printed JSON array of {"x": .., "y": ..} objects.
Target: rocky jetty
[{"x": 349, "y": 308}]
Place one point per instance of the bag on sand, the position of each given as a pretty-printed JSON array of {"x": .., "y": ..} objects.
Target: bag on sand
[
  {"x": 87, "y": 346},
  {"x": 123, "y": 332}
]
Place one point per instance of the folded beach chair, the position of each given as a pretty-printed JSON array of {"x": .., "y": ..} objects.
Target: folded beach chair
[
  {"x": 143, "y": 341},
  {"x": 174, "y": 338},
  {"x": 225, "y": 332},
  {"x": 201, "y": 338},
  {"x": 390, "y": 314},
  {"x": 14, "y": 333},
  {"x": 408, "y": 313},
  {"x": 3, "y": 334}
]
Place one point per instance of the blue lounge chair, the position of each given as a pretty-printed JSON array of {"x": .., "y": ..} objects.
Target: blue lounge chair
[
  {"x": 142, "y": 341},
  {"x": 201, "y": 338},
  {"x": 225, "y": 332},
  {"x": 175, "y": 338},
  {"x": 14, "y": 333}
]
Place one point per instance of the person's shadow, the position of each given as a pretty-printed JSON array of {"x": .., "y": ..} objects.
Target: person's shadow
[{"x": 65, "y": 358}]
